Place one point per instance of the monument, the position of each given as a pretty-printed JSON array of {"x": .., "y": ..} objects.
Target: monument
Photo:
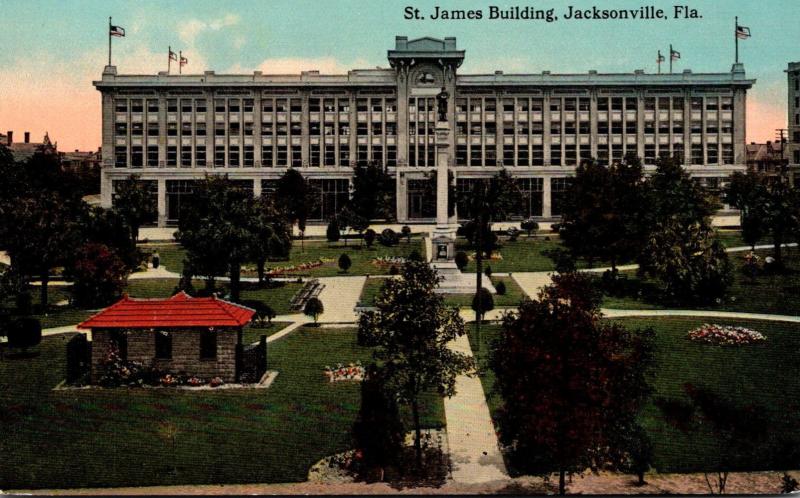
[{"x": 443, "y": 236}]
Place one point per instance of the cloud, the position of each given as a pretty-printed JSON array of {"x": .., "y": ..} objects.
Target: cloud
[{"x": 190, "y": 29}]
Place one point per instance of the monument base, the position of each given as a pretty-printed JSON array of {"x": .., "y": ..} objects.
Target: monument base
[{"x": 455, "y": 282}]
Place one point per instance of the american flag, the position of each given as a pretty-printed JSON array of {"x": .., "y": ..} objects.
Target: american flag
[
  {"x": 116, "y": 31},
  {"x": 173, "y": 56},
  {"x": 674, "y": 55},
  {"x": 742, "y": 32},
  {"x": 184, "y": 61}
]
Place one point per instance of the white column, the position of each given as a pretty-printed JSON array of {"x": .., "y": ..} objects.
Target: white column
[
  {"x": 546, "y": 203},
  {"x": 162, "y": 202}
]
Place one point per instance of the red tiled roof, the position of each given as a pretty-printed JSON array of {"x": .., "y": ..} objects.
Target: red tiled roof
[{"x": 178, "y": 311}]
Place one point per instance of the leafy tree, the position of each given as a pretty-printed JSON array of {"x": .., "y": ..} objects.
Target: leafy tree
[
  {"x": 134, "y": 202},
  {"x": 369, "y": 237},
  {"x": 680, "y": 248},
  {"x": 636, "y": 451},
  {"x": 747, "y": 193},
  {"x": 344, "y": 262},
  {"x": 299, "y": 197},
  {"x": 462, "y": 260},
  {"x": 378, "y": 432},
  {"x": 24, "y": 333},
  {"x": 270, "y": 234},
  {"x": 216, "y": 228},
  {"x": 333, "y": 233},
  {"x": 313, "y": 308},
  {"x": 98, "y": 276},
  {"x": 109, "y": 228},
  {"x": 602, "y": 217},
  {"x": 482, "y": 303},
  {"x": 529, "y": 225},
  {"x": 570, "y": 382},
  {"x": 781, "y": 215},
  {"x": 406, "y": 231},
  {"x": 411, "y": 329},
  {"x": 349, "y": 219},
  {"x": 373, "y": 192}
]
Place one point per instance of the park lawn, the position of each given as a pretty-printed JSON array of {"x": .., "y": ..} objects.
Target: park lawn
[
  {"x": 524, "y": 254},
  {"x": 748, "y": 375},
  {"x": 514, "y": 294},
  {"x": 309, "y": 251},
  {"x": 251, "y": 333},
  {"x": 109, "y": 438},
  {"x": 773, "y": 294},
  {"x": 55, "y": 316}
]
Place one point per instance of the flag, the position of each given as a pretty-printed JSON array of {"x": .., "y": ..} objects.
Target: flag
[
  {"x": 184, "y": 61},
  {"x": 116, "y": 31},
  {"x": 674, "y": 55},
  {"x": 173, "y": 56},
  {"x": 660, "y": 58},
  {"x": 742, "y": 32}
]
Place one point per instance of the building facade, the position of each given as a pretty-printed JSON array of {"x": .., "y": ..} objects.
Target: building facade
[
  {"x": 174, "y": 129},
  {"x": 793, "y": 111}
]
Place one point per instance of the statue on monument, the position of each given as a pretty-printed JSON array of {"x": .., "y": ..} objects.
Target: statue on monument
[{"x": 441, "y": 101}]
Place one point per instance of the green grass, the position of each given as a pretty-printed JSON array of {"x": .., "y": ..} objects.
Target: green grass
[
  {"x": 100, "y": 438},
  {"x": 513, "y": 296},
  {"x": 252, "y": 334},
  {"x": 773, "y": 294},
  {"x": 523, "y": 255},
  {"x": 763, "y": 375},
  {"x": 172, "y": 256}
]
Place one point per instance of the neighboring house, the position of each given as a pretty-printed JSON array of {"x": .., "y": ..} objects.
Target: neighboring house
[
  {"x": 180, "y": 334},
  {"x": 765, "y": 158},
  {"x": 22, "y": 151}
]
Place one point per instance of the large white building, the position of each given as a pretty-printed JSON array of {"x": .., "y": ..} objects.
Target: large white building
[
  {"x": 793, "y": 108},
  {"x": 174, "y": 129}
]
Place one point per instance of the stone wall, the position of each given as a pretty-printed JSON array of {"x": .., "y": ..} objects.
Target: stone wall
[{"x": 185, "y": 352}]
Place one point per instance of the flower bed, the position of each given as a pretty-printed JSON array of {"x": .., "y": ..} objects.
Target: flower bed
[
  {"x": 119, "y": 372},
  {"x": 384, "y": 261},
  {"x": 280, "y": 270},
  {"x": 725, "y": 335},
  {"x": 353, "y": 371},
  {"x": 496, "y": 256}
]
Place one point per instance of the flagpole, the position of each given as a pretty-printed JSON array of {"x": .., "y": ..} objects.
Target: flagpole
[
  {"x": 180, "y": 61},
  {"x": 670, "y": 58},
  {"x": 658, "y": 61},
  {"x": 736, "y": 37},
  {"x": 109, "y": 41},
  {"x": 169, "y": 58}
]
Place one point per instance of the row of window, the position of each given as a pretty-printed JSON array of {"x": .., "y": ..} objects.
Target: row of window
[
  {"x": 233, "y": 105},
  {"x": 163, "y": 344}
]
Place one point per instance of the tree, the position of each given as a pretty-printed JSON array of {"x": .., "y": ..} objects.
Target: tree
[
  {"x": 781, "y": 214},
  {"x": 109, "y": 228},
  {"x": 747, "y": 193},
  {"x": 406, "y": 231},
  {"x": 636, "y": 450},
  {"x": 270, "y": 234},
  {"x": 135, "y": 203},
  {"x": 24, "y": 333},
  {"x": 333, "y": 233},
  {"x": 344, "y": 262},
  {"x": 482, "y": 303},
  {"x": 369, "y": 237},
  {"x": 216, "y": 228},
  {"x": 462, "y": 260},
  {"x": 680, "y": 247},
  {"x": 299, "y": 197},
  {"x": 313, "y": 308},
  {"x": 411, "y": 329},
  {"x": 349, "y": 219},
  {"x": 373, "y": 192},
  {"x": 602, "y": 215},
  {"x": 378, "y": 432},
  {"x": 570, "y": 382},
  {"x": 529, "y": 225},
  {"x": 500, "y": 288},
  {"x": 98, "y": 276}
]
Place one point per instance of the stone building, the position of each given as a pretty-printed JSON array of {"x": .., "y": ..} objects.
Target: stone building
[
  {"x": 174, "y": 129},
  {"x": 793, "y": 111},
  {"x": 197, "y": 336}
]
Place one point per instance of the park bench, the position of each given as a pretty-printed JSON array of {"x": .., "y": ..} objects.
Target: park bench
[{"x": 312, "y": 288}]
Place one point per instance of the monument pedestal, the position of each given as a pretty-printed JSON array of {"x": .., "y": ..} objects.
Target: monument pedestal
[{"x": 443, "y": 237}]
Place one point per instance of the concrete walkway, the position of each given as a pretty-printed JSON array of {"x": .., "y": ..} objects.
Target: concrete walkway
[
  {"x": 474, "y": 450},
  {"x": 339, "y": 298}
]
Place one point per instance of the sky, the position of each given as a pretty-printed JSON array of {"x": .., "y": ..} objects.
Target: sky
[{"x": 52, "y": 50}]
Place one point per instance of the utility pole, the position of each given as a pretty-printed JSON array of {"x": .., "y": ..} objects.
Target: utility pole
[{"x": 780, "y": 137}]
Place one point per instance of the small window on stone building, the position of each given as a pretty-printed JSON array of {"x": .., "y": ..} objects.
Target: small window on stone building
[
  {"x": 163, "y": 342},
  {"x": 119, "y": 341},
  {"x": 208, "y": 344}
]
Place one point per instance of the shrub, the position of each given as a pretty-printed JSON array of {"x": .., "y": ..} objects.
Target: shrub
[
  {"x": 414, "y": 256},
  {"x": 369, "y": 237},
  {"x": 500, "y": 288},
  {"x": 333, "y": 233},
  {"x": 24, "y": 333},
  {"x": 462, "y": 260},
  {"x": 513, "y": 234},
  {"x": 313, "y": 308},
  {"x": 488, "y": 271},
  {"x": 344, "y": 262},
  {"x": 482, "y": 302},
  {"x": 562, "y": 259},
  {"x": 394, "y": 270},
  {"x": 406, "y": 231},
  {"x": 530, "y": 225},
  {"x": 389, "y": 238}
]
